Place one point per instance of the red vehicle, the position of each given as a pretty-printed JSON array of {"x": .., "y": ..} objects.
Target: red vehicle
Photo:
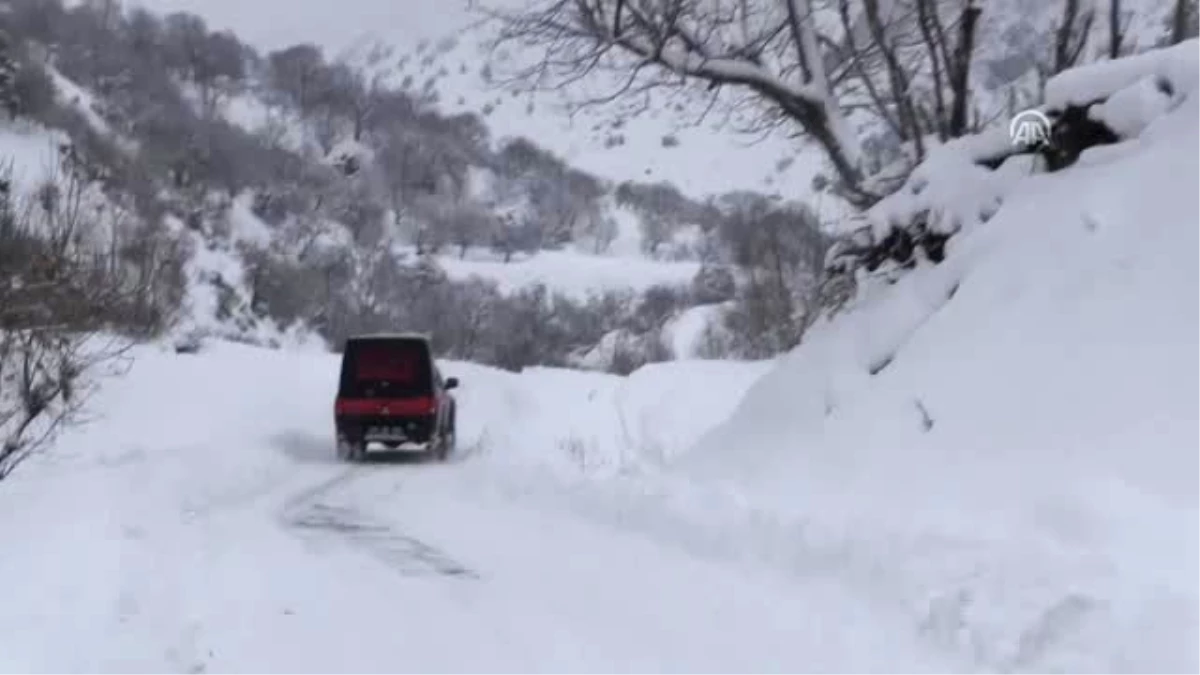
[{"x": 391, "y": 392}]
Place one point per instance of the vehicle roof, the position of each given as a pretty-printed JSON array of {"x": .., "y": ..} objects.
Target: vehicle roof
[{"x": 389, "y": 336}]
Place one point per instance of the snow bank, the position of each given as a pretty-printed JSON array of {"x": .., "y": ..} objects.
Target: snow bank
[
  {"x": 1006, "y": 443},
  {"x": 950, "y": 188},
  {"x": 1176, "y": 65},
  {"x": 584, "y": 424},
  {"x": 574, "y": 274},
  {"x": 665, "y": 407},
  {"x": 685, "y": 332}
]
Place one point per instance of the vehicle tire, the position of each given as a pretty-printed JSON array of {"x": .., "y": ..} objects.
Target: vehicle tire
[
  {"x": 351, "y": 451},
  {"x": 445, "y": 443},
  {"x": 451, "y": 439}
]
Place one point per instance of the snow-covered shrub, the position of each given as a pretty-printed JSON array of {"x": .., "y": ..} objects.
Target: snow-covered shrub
[
  {"x": 33, "y": 93},
  {"x": 191, "y": 341},
  {"x": 712, "y": 284},
  {"x": 70, "y": 305}
]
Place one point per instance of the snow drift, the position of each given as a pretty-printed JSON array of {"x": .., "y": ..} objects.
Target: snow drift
[{"x": 1006, "y": 442}]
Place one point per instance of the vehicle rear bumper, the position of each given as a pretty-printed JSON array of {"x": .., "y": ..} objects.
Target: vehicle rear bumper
[{"x": 417, "y": 431}]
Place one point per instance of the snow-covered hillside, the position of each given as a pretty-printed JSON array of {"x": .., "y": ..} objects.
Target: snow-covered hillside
[
  {"x": 285, "y": 222},
  {"x": 441, "y": 42},
  {"x": 984, "y": 464},
  {"x": 1011, "y": 436}
]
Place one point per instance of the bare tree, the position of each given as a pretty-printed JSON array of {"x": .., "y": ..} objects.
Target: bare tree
[
  {"x": 510, "y": 236},
  {"x": 601, "y": 230},
  {"x": 655, "y": 231},
  {"x": 408, "y": 169},
  {"x": 713, "y": 284},
  {"x": 44, "y": 385},
  {"x": 361, "y": 100},
  {"x": 217, "y": 66},
  {"x": 465, "y": 224},
  {"x": 358, "y": 91},
  {"x": 775, "y": 60},
  {"x": 300, "y": 71},
  {"x": 768, "y": 51},
  {"x": 1071, "y": 35},
  {"x": 781, "y": 253}
]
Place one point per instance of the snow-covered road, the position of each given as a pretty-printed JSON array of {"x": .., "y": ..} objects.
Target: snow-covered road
[{"x": 203, "y": 524}]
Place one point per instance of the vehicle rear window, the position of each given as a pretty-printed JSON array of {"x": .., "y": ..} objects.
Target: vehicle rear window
[
  {"x": 385, "y": 368},
  {"x": 399, "y": 363}
]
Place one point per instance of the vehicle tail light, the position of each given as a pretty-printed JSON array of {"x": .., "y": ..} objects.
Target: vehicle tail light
[{"x": 424, "y": 405}]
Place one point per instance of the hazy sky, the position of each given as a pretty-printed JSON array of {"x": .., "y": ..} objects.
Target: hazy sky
[{"x": 333, "y": 24}]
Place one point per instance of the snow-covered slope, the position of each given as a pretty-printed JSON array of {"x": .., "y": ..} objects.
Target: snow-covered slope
[
  {"x": 439, "y": 39},
  {"x": 1010, "y": 437},
  {"x": 571, "y": 272}
]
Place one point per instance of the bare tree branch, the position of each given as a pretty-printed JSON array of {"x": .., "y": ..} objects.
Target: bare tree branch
[
  {"x": 794, "y": 65},
  {"x": 73, "y": 298},
  {"x": 741, "y": 46}
]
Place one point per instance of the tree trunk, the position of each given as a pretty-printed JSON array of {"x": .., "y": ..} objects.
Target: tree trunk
[
  {"x": 898, "y": 81},
  {"x": 1179, "y": 21},
  {"x": 962, "y": 69},
  {"x": 927, "y": 20},
  {"x": 1115, "y": 34},
  {"x": 1067, "y": 43}
]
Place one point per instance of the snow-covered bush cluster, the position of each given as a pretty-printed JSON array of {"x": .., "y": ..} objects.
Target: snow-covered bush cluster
[{"x": 1095, "y": 111}]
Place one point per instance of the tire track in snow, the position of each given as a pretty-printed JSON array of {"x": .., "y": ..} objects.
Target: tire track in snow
[{"x": 314, "y": 512}]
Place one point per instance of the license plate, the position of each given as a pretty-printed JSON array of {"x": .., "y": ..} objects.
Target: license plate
[{"x": 390, "y": 433}]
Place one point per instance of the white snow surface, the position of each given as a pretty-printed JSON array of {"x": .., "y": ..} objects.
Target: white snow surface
[
  {"x": 570, "y": 272},
  {"x": 200, "y": 523},
  {"x": 32, "y": 153},
  {"x": 686, "y": 331}
]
